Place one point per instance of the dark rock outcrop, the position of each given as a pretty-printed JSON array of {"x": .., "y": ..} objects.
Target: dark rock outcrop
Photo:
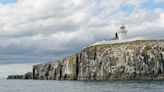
[
  {"x": 137, "y": 60},
  {"x": 28, "y": 75},
  {"x": 15, "y": 77}
]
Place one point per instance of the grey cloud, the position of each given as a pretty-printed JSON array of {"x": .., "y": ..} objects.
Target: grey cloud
[{"x": 44, "y": 30}]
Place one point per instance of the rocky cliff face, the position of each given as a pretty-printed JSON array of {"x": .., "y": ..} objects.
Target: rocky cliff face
[{"x": 123, "y": 61}]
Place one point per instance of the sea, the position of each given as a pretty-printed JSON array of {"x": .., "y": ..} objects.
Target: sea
[{"x": 80, "y": 86}]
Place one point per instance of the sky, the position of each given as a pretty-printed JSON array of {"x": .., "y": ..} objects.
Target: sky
[
  {"x": 7, "y": 1},
  {"x": 38, "y": 31}
]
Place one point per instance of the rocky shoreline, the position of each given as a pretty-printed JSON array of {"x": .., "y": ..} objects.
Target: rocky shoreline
[
  {"x": 28, "y": 75},
  {"x": 137, "y": 60}
]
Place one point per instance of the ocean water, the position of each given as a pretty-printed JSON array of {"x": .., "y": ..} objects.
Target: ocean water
[{"x": 80, "y": 86}]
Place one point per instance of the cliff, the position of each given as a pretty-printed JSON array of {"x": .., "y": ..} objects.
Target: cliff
[{"x": 136, "y": 60}]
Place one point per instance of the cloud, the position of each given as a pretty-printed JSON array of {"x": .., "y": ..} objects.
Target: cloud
[
  {"x": 44, "y": 30},
  {"x": 14, "y": 69}
]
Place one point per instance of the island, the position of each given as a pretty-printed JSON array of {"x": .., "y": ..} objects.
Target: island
[{"x": 118, "y": 59}]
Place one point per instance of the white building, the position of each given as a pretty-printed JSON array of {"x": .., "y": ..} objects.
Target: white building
[
  {"x": 122, "y": 33},
  {"x": 121, "y": 37}
]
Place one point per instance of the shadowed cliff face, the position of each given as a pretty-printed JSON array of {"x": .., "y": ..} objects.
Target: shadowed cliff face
[
  {"x": 124, "y": 61},
  {"x": 64, "y": 69}
]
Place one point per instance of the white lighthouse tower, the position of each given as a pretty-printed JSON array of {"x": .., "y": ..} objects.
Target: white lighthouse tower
[{"x": 122, "y": 33}]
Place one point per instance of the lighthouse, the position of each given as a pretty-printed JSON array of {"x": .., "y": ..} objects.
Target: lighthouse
[{"x": 122, "y": 33}]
